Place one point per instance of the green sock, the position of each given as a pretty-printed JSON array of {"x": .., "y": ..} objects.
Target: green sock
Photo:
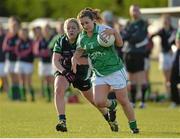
[
  {"x": 113, "y": 104},
  {"x": 43, "y": 90},
  {"x": 23, "y": 93},
  {"x": 48, "y": 93},
  {"x": 10, "y": 92},
  {"x": 14, "y": 92},
  {"x": 32, "y": 94},
  {"x": 132, "y": 125}
]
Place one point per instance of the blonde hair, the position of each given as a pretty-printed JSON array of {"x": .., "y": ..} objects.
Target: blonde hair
[{"x": 74, "y": 20}]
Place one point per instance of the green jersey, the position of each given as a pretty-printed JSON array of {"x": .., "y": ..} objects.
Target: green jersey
[{"x": 104, "y": 60}]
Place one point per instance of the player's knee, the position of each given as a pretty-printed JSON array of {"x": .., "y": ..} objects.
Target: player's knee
[
  {"x": 100, "y": 103},
  {"x": 124, "y": 102},
  {"x": 58, "y": 91}
]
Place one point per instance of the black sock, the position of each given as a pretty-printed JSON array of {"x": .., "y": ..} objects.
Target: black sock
[
  {"x": 133, "y": 93},
  {"x": 49, "y": 93},
  {"x": 62, "y": 117},
  {"x": 143, "y": 90},
  {"x": 31, "y": 90},
  {"x": 106, "y": 116}
]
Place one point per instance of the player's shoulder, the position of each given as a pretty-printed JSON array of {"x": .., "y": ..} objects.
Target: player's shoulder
[
  {"x": 57, "y": 40},
  {"x": 58, "y": 37},
  {"x": 81, "y": 37}
]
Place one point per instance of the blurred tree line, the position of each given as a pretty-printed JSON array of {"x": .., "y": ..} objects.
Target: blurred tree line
[{"x": 28, "y": 10}]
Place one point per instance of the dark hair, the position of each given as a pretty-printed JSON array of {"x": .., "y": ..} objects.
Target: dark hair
[{"x": 91, "y": 13}]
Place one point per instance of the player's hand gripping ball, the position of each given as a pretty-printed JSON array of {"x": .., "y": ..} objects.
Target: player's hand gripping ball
[{"x": 105, "y": 40}]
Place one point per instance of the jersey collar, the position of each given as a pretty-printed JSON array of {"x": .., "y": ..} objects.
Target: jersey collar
[{"x": 95, "y": 30}]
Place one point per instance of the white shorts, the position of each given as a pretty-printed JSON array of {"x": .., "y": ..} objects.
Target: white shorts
[
  {"x": 9, "y": 67},
  {"x": 2, "y": 69},
  {"x": 165, "y": 61},
  {"x": 116, "y": 80},
  {"x": 23, "y": 67},
  {"x": 45, "y": 69},
  {"x": 146, "y": 64}
]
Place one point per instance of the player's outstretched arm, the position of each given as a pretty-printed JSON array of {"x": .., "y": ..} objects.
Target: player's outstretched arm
[{"x": 55, "y": 62}]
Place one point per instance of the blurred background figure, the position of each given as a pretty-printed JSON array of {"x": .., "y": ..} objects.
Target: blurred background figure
[
  {"x": 147, "y": 66},
  {"x": 59, "y": 32},
  {"x": 24, "y": 65},
  {"x": 167, "y": 36},
  {"x": 108, "y": 18},
  {"x": 136, "y": 37},
  {"x": 37, "y": 37},
  {"x": 44, "y": 67},
  {"x": 9, "y": 44},
  {"x": 60, "y": 27},
  {"x": 175, "y": 73},
  {"x": 3, "y": 76},
  {"x": 37, "y": 34}
]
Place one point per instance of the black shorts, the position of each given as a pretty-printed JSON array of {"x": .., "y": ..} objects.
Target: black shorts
[
  {"x": 82, "y": 85},
  {"x": 134, "y": 62}
]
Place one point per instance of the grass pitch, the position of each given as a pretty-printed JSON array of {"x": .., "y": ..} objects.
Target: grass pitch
[{"x": 26, "y": 119}]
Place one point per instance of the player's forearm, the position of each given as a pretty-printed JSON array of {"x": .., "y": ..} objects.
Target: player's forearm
[
  {"x": 56, "y": 64},
  {"x": 118, "y": 39}
]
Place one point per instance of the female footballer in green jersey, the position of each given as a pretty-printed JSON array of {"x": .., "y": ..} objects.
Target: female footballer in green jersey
[
  {"x": 109, "y": 70},
  {"x": 63, "y": 51}
]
